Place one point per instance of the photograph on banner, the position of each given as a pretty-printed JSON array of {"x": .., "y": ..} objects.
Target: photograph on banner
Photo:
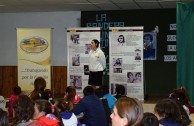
[
  {"x": 76, "y": 81},
  {"x": 75, "y": 38},
  {"x": 125, "y": 59},
  {"x": 79, "y": 46},
  {"x": 86, "y": 70},
  {"x": 76, "y": 60},
  {"x": 117, "y": 65},
  {"x": 149, "y": 45},
  {"x": 134, "y": 77},
  {"x": 119, "y": 89},
  {"x": 87, "y": 48},
  {"x": 137, "y": 54},
  {"x": 118, "y": 40}
]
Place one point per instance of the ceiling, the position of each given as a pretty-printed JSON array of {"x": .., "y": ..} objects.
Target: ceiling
[{"x": 15, "y": 6}]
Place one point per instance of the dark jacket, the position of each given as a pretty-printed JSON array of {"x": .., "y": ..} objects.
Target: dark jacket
[
  {"x": 167, "y": 122},
  {"x": 93, "y": 110}
]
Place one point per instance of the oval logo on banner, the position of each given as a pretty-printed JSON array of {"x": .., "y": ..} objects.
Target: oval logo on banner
[{"x": 34, "y": 44}]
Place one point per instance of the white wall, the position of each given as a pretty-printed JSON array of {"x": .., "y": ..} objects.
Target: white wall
[{"x": 59, "y": 21}]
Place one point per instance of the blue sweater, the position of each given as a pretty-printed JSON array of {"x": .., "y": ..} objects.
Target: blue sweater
[
  {"x": 111, "y": 101},
  {"x": 167, "y": 122},
  {"x": 92, "y": 108}
]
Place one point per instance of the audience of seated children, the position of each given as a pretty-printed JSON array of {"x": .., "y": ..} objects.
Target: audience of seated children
[
  {"x": 4, "y": 119},
  {"x": 120, "y": 91},
  {"x": 127, "y": 112},
  {"x": 39, "y": 86},
  {"x": 149, "y": 119},
  {"x": 14, "y": 96},
  {"x": 65, "y": 113},
  {"x": 168, "y": 113},
  {"x": 92, "y": 108},
  {"x": 23, "y": 110},
  {"x": 99, "y": 93},
  {"x": 43, "y": 114},
  {"x": 70, "y": 95},
  {"x": 111, "y": 99}
]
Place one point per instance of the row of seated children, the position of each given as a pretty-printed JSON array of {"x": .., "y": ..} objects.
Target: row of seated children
[
  {"x": 89, "y": 96},
  {"x": 127, "y": 111},
  {"x": 39, "y": 92}
]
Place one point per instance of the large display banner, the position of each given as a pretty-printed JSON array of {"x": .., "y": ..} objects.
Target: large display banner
[
  {"x": 78, "y": 41},
  {"x": 126, "y": 60},
  {"x": 33, "y": 47}
]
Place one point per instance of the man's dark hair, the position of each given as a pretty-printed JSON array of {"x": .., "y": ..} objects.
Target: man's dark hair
[{"x": 88, "y": 90}]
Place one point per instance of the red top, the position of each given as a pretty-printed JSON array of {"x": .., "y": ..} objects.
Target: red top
[
  {"x": 11, "y": 100},
  {"x": 77, "y": 99},
  {"x": 43, "y": 121}
]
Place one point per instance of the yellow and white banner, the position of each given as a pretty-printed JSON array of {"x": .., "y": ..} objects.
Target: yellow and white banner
[{"x": 33, "y": 47}]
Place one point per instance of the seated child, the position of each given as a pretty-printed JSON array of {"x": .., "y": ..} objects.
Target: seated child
[
  {"x": 43, "y": 114},
  {"x": 70, "y": 95},
  {"x": 65, "y": 112},
  {"x": 14, "y": 96}
]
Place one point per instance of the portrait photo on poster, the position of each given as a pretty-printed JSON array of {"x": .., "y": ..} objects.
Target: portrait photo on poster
[
  {"x": 117, "y": 62},
  {"x": 76, "y": 81},
  {"x": 76, "y": 60},
  {"x": 116, "y": 86},
  {"x": 149, "y": 45},
  {"x": 75, "y": 38},
  {"x": 121, "y": 40},
  {"x": 133, "y": 77},
  {"x": 87, "y": 48},
  {"x": 118, "y": 40},
  {"x": 137, "y": 54}
]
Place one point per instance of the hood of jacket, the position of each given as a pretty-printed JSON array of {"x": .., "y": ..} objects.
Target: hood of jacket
[{"x": 66, "y": 115}]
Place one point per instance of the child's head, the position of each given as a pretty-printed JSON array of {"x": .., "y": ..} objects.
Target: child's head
[
  {"x": 17, "y": 90},
  {"x": 39, "y": 84},
  {"x": 127, "y": 112},
  {"x": 88, "y": 90},
  {"x": 149, "y": 119},
  {"x": 48, "y": 92},
  {"x": 70, "y": 93},
  {"x": 42, "y": 108},
  {"x": 99, "y": 92},
  {"x": 63, "y": 106},
  {"x": 23, "y": 109},
  {"x": 167, "y": 108},
  {"x": 4, "y": 118}
]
